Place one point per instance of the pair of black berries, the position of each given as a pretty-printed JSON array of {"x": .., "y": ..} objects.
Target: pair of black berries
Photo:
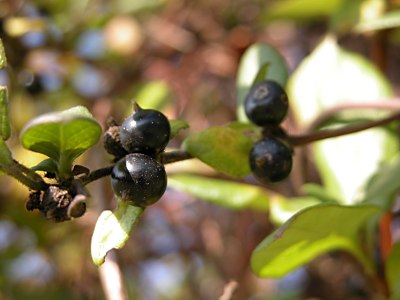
[
  {"x": 270, "y": 158},
  {"x": 138, "y": 178}
]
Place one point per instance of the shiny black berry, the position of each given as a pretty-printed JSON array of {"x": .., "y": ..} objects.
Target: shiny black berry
[
  {"x": 271, "y": 160},
  {"x": 139, "y": 179},
  {"x": 266, "y": 103},
  {"x": 145, "y": 131}
]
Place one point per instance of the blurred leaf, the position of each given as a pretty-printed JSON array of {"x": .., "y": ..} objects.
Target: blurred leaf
[
  {"x": 392, "y": 270},
  {"x": 177, "y": 126},
  {"x": 346, "y": 15},
  {"x": 5, "y": 154},
  {"x": 309, "y": 233},
  {"x": 258, "y": 60},
  {"x": 112, "y": 230},
  {"x": 300, "y": 10},
  {"x": 48, "y": 165},
  {"x": 222, "y": 148},
  {"x": 389, "y": 20},
  {"x": 383, "y": 186},
  {"x": 230, "y": 194},
  {"x": 3, "y": 58},
  {"x": 5, "y": 130},
  {"x": 62, "y": 136},
  {"x": 328, "y": 77},
  {"x": 154, "y": 95},
  {"x": 318, "y": 191},
  {"x": 282, "y": 209}
]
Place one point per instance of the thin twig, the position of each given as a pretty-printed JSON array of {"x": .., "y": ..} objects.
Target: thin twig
[
  {"x": 392, "y": 105},
  {"x": 301, "y": 140},
  {"x": 96, "y": 174},
  {"x": 17, "y": 171},
  {"x": 174, "y": 156},
  {"x": 229, "y": 290}
]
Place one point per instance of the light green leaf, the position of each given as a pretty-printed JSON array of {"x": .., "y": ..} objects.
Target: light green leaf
[
  {"x": 153, "y": 95},
  {"x": 5, "y": 130},
  {"x": 177, "y": 126},
  {"x": 282, "y": 209},
  {"x": 312, "y": 232},
  {"x": 62, "y": 136},
  {"x": 332, "y": 76},
  {"x": 300, "y": 10},
  {"x": 262, "y": 60},
  {"x": 229, "y": 194},
  {"x": 222, "y": 148},
  {"x": 392, "y": 270},
  {"x": 3, "y": 58},
  {"x": 389, "y": 20},
  {"x": 112, "y": 230}
]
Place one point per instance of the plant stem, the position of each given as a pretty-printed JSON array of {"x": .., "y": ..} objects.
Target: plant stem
[
  {"x": 96, "y": 174},
  {"x": 25, "y": 176},
  {"x": 301, "y": 140},
  {"x": 174, "y": 156}
]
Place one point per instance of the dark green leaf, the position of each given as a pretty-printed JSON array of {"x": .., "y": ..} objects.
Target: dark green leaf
[
  {"x": 230, "y": 194},
  {"x": 259, "y": 59},
  {"x": 381, "y": 189},
  {"x": 5, "y": 154},
  {"x": 393, "y": 272},
  {"x": 5, "y": 130},
  {"x": 112, "y": 230},
  {"x": 177, "y": 126},
  {"x": 47, "y": 165},
  {"x": 331, "y": 76},
  {"x": 309, "y": 233},
  {"x": 222, "y": 148},
  {"x": 62, "y": 136},
  {"x": 3, "y": 58}
]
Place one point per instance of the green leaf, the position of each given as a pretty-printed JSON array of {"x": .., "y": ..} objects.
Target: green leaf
[
  {"x": 177, "y": 126},
  {"x": 282, "y": 209},
  {"x": 48, "y": 165},
  {"x": 229, "y": 194},
  {"x": 154, "y": 95},
  {"x": 328, "y": 77},
  {"x": 392, "y": 270},
  {"x": 112, "y": 230},
  {"x": 389, "y": 20},
  {"x": 258, "y": 60},
  {"x": 222, "y": 148},
  {"x": 309, "y": 233},
  {"x": 300, "y": 10},
  {"x": 383, "y": 186},
  {"x": 3, "y": 58},
  {"x": 62, "y": 136},
  {"x": 5, "y": 130},
  {"x": 5, "y": 155}
]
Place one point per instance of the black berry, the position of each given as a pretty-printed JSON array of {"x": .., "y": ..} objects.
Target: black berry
[
  {"x": 271, "y": 160},
  {"x": 266, "y": 103},
  {"x": 145, "y": 131},
  {"x": 139, "y": 179}
]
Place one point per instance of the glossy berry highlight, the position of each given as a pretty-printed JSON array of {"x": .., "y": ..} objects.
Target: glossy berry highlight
[
  {"x": 266, "y": 103},
  {"x": 139, "y": 179},
  {"x": 270, "y": 160},
  {"x": 145, "y": 131}
]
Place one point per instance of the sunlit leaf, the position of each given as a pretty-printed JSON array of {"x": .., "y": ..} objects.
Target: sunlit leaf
[
  {"x": 154, "y": 95},
  {"x": 3, "y": 58},
  {"x": 328, "y": 77},
  {"x": 177, "y": 126},
  {"x": 282, "y": 209},
  {"x": 222, "y": 148},
  {"x": 389, "y": 20},
  {"x": 112, "y": 230},
  {"x": 229, "y": 194},
  {"x": 393, "y": 272},
  {"x": 259, "y": 62},
  {"x": 62, "y": 136},
  {"x": 5, "y": 130},
  {"x": 312, "y": 232},
  {"x": 300, "y": 10}
]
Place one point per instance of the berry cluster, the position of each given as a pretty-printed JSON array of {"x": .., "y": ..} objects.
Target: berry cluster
[
  {"x": 266, "y": 105},
  {"x": 138, "y": 178}
]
